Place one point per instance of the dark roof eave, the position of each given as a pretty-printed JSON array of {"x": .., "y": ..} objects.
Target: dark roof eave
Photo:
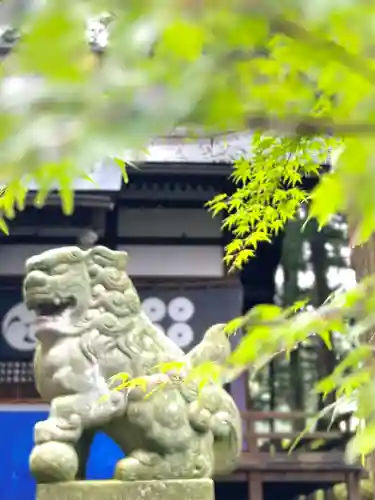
[{"x": 183, "y": 168}]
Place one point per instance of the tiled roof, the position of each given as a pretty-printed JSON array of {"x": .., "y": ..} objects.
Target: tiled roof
[{"x": 225, "y": 149}]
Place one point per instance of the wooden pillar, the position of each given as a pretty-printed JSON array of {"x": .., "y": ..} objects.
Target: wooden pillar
[
  {"x": 111, "y": 227},
  {"x": 255, "y": 486},
  {"x": 363, "y": 262},
  {"x": 352, "y": 485},
  {"x": 329, "y": 494}
]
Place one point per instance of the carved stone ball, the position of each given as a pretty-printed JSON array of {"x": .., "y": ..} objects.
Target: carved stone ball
[{"x": 54, "y": 461}]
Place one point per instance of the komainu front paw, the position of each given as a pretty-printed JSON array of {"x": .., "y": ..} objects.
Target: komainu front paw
[
  {"x": 53, "y": 462},
  {"x": 58, "y": 429}
]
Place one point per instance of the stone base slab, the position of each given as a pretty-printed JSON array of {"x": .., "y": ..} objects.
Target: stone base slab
[{"x": 181, "y": 489}]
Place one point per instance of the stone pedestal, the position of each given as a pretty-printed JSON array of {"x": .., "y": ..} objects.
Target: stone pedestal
[{"x": 182, "y": 489}]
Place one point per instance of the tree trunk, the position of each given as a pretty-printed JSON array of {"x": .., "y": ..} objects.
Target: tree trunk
[
  {"x": 363, "y": 258},
  {"x": 291, "y": 264},
  {"x": 319, "y": 262},
  {"x": 363, "y": 263}
]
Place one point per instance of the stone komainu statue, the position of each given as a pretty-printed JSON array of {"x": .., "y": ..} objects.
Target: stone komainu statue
[{"x": 90, "y": 327}]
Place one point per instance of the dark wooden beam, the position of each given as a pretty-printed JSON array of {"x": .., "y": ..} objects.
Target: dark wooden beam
[
  {"x": 208, "y": 169},
  {"x": 90, "y": 199},
  {"x": 109, "y": 238}
]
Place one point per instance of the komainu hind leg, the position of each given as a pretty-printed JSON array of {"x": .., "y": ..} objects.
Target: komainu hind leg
[
  {"x": 148, "y": 465},
  {"x": 169, "y": 448}
]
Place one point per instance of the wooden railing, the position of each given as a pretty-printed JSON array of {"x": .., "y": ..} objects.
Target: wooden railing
[{"x": 327, "y": 437}]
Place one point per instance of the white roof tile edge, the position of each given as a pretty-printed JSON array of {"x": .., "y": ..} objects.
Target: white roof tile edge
[
  {"x": 222, "y": 149},
  {"x": 205, "y": 150}
]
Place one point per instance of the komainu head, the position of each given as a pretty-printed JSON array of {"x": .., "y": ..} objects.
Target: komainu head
[{"x": 73, "y": 291}]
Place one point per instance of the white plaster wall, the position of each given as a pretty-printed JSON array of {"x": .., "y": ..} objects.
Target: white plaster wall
[
  {"x": 12, "y": 257},
  {"x": 144, "y": 260},
  {"x": 175, "y": 260},
  {"x": 168, "y": 223}
]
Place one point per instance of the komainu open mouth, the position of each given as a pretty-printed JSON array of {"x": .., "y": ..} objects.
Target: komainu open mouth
[{"x": 48, "y": 306}]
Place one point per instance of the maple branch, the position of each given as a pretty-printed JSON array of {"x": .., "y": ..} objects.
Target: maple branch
[
  {"x": 305, "y": 126},
  {"x": 308, "y": 126}
]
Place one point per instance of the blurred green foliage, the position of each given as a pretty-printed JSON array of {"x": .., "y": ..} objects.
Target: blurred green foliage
[{"x": 300, "y": 74}]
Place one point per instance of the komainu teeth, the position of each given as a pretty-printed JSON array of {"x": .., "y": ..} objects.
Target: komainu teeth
[{"x": 57, "y": 301}]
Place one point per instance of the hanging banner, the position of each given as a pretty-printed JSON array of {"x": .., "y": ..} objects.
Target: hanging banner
[
  {"x": 183, "y": 312},
  {"x": 17, "y": 342}
]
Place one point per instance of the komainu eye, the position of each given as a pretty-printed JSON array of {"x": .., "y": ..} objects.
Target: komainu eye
[
  {"x": 43, "y": 268},
  {"x": 60, "y": 269}
]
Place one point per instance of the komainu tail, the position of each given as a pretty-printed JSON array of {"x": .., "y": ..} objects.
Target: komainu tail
[
  {"x": 214, "y": 401},
  {"x": 214, "y": 347}
]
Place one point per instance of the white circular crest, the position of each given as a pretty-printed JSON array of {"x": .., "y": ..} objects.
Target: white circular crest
[
  {"x": 154, "y": 308},
  {"x": 181, "y": 309},
  {"x": 181, "y": 334},
  {"x": 17, "y": 330}
]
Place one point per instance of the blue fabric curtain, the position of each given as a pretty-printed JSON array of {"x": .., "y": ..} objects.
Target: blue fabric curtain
[{"x": 16, "y": 439}]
